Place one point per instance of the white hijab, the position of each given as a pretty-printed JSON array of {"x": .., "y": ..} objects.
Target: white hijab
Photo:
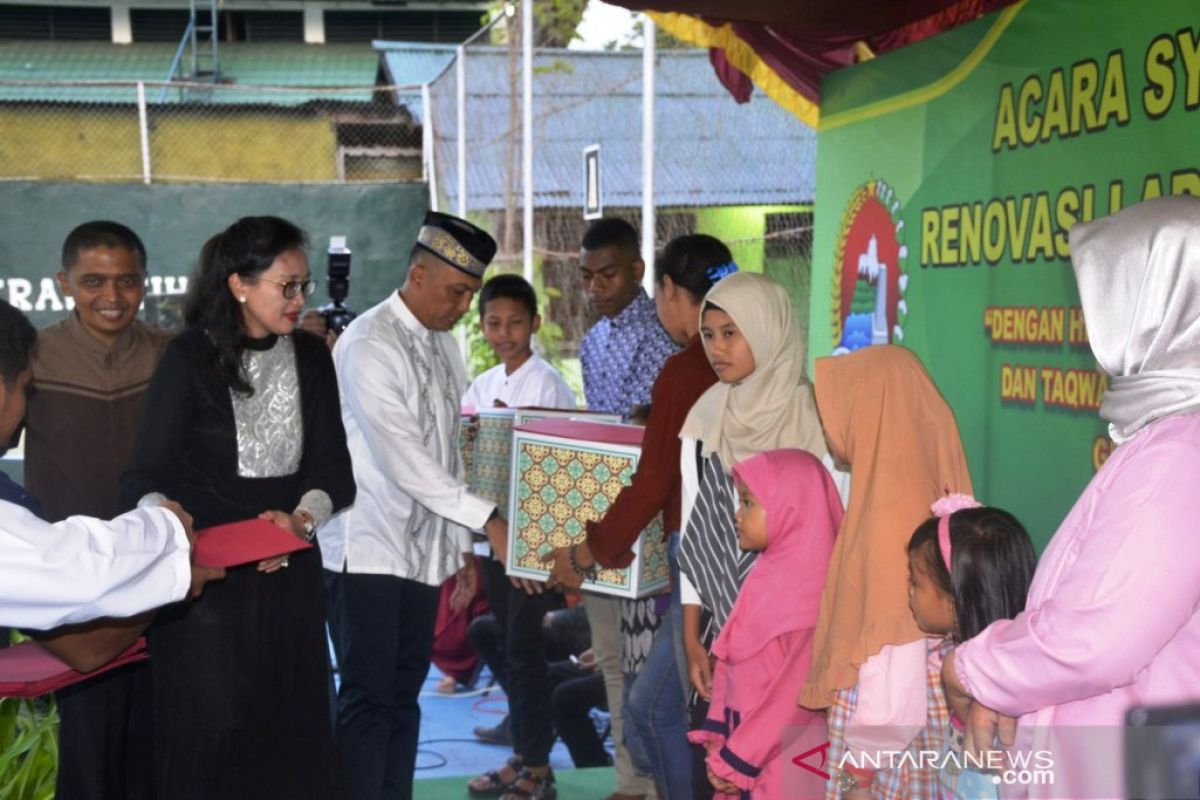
[
  {"x": 773, "y": 407},
  {"x": 1139, "y": 279}
]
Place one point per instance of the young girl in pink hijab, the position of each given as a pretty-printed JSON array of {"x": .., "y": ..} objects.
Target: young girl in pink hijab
[{"x": 789, "y": 512}]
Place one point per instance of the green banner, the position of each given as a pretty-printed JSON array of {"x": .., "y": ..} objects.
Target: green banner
[
  {"x": 379, "y": 221},
  {"x": 948, "y": 175}
]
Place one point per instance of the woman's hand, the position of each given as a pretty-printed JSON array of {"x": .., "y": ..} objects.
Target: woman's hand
[
  {"x": 699, "y": 669},
  {"x": 983, "y": 726},
  {"x": 290, "y": 523}
]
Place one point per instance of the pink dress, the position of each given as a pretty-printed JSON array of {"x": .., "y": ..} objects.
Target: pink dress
[
  {"x": 1112, "y": 620},
  {"x": 753, "y": 704},
  {"x": 765, "y": 649}
]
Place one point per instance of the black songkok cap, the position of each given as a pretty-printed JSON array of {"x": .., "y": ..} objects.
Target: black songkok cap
[{"x": 457, "y": 242}]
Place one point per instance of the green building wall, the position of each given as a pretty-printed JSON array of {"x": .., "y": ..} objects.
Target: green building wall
[{"x": 186, "y": 143}]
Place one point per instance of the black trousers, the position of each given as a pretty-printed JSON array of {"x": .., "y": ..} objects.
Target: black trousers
[
  {"x": 528, "y": 675},
  {"x": 486, "y": 632},
  {"x": 524, "y": 674},
  {"x": 576, "y": 692},
  {"x": 565, "y": 634},
  {"x": 106, "y": 737},
  {"x": 384, "y": 629}
]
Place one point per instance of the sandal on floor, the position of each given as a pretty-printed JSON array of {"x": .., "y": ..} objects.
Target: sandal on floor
[
  {"x": 532, "y": 787},
  {"x": 495, "y": 785}
]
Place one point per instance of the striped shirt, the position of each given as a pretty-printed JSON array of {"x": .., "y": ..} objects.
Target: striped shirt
[{"x": 709, "y": 555}]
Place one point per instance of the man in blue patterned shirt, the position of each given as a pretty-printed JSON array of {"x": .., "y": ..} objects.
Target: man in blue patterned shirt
[
  {"x": 623, "y": 353},
  {"x": 621, "y": 357}
]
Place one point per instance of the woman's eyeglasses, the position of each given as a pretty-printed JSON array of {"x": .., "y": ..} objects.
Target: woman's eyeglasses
[{"x": 292, "y": 288}]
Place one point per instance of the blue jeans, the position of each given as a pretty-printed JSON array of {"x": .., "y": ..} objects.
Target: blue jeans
[{"x": 656, "y": 706}]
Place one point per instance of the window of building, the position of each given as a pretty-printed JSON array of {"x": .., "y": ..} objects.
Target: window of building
[
  {"x": 169, "y": 24},
  {"x": 264, "y": 26},
  {"x": 159, "y": 24},
  {"x": 63, "y": 23},
  {"x": 401, "y": 25},
  {"x": 378, "y": 147}
]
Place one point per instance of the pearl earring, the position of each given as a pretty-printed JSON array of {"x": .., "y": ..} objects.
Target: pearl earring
[{"x": 242, "y": 299}]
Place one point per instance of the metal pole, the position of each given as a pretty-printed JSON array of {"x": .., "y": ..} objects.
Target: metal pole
[
  {"x": 460, "y": 74},
  {"x": 648, "y": 223},
  {"x": 527, "y": 133},
  {"x": 427, "y": 146},
  {"x": 215, "y": 39},
  {"x": 144, "y": 131}
]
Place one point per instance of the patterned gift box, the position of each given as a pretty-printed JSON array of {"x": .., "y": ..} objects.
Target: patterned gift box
[
  {"x": 466, "y": 448},
  {"x": 564, "y": 475},
  {"x": 493, "y": 450},
  {"x": 492, "y": 456}
]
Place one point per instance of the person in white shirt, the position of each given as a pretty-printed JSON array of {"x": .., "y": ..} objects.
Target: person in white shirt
[
  {"x": 402, "y": 380},
  {"x": 508, "y": 316},
  {"x": 81, "y": 569}
]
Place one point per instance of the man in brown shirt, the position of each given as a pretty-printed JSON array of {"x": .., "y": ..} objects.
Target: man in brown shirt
[{"x": 90, "y": 375}]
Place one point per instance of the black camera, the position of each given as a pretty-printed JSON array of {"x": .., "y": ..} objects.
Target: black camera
[{"x": 336, "y": 315}]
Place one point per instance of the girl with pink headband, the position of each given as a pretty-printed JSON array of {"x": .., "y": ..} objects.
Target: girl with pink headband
[{"x": 968, "y": 566}]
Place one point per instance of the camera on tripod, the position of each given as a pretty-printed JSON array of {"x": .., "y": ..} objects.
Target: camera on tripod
[{"x": 336, "y": 315}]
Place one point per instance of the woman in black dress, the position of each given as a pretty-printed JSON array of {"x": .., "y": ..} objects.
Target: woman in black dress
[{"x": 243, "y": 420}]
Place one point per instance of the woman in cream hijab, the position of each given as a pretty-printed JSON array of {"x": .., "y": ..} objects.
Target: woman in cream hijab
[
  {"x": 1113, "y": 616},
  {"x": 762, "y": 402}
]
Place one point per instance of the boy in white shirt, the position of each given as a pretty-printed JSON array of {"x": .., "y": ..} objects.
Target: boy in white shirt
[{"x": 508, "y": 317}]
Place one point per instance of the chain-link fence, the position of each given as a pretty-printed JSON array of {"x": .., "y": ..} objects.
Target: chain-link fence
[
  {"x": 741, "y": 173},
  {"x": 129, "y": 131}
]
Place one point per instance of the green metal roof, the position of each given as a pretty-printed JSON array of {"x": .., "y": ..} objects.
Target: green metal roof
[{"x": 242, "y": 64}]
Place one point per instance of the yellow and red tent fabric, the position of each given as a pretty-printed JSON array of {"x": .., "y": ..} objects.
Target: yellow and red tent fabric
[{"x": 785, "y": 47}]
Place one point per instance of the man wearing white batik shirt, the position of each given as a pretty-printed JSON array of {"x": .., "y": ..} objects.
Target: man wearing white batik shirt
[{"x": 401, "y": 378}]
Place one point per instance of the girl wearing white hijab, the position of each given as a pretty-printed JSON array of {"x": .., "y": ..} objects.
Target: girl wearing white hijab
[{"x": 762, "y": 402}]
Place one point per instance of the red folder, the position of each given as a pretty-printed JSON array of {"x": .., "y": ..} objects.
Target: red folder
[
  {"x": 26, "y": 670},
  {"x": 244, "y": 543}
]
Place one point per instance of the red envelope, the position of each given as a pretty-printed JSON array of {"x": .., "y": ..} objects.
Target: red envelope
[
  {"x": 244, "y": 543},
  {"x": 26, "y": 670}
]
